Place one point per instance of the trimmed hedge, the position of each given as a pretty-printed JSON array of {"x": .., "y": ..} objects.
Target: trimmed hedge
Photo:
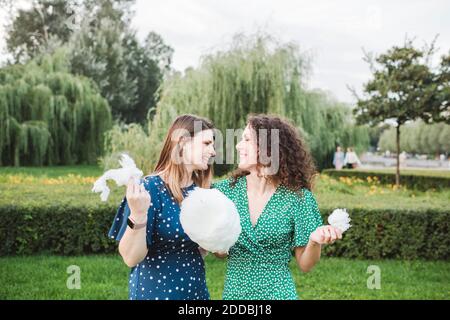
[
  {"x": 412, "y": 181},
  {"x": 395, "y": 234},
  {"x": 59, "y": 229},
  {"x": 82, "y": 229}
]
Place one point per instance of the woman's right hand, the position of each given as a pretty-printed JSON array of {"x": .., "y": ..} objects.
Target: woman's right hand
[
  {"x": 138, "y": 199},
  {"x": 326, "y": 234}
]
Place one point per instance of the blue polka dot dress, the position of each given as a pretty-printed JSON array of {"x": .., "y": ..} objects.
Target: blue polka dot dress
[{"x": 173, "y": 268}]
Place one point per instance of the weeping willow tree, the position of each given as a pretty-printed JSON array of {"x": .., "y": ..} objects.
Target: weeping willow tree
[
  {"x": 49, "y": 116},
  {"x": 256, "y": 74},
  {"x": 130, "y": 138}
]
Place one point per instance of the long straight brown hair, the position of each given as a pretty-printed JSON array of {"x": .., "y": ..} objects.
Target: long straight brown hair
[{"x": 174, "y": 170}]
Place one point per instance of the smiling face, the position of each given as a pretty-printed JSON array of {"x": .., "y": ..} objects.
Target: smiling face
[
  {"x": 248, "y": 150},
  {"x": 198, "y": 150}
]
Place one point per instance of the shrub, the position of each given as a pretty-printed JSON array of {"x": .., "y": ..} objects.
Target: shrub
[{"x": 74, "y": 229}]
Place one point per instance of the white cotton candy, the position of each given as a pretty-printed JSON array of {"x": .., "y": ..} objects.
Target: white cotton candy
[
  {"x": 120, "y": 176},
  {"x": 340, "y": 219},
  {"x": 210, "y": 219}
]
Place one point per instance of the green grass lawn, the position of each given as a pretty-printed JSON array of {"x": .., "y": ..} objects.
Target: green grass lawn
[
  {"x": 54, "y": 171},
  {"x": 74, "y": 184},
  {"x": 92, "y": 170},
  {"x": 417, "y": 172},
  {"x": 346, "y": 192},
  {"x": 105, "y": 277}
]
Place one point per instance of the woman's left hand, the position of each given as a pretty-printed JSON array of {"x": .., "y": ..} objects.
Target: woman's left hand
[
  {"x": 326, "y": 235},
  {"x": 203, "y": 252}
]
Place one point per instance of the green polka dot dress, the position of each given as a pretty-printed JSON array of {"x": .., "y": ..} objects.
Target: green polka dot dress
[{"x": 257, "y": 266}]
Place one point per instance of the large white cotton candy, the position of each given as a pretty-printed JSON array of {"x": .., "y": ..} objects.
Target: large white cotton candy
[
  {"x": 120, "y": 176},
  {"x": 340, "y": 219},
  {"x": 210, "y": 219}
]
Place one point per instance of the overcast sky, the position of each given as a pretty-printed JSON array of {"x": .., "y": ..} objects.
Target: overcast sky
[{"x": 334, "y": 32}]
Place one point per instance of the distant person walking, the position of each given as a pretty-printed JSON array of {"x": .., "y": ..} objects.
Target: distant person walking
[
  {"x": 351, "y": 160},
  {"x": 338, "y": 159}
]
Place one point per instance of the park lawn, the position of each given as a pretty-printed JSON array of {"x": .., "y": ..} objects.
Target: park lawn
[
  {"x": 96, "y": 171},
  {"x": 416, "y": 172},
  {"x": 53, "y": 171},
  {"x": 352, "y": 198},
  {"x": 340, "y": 196},
  {"x": 352, "y": 192},
  {"x": 105, "y": 277},
  {"x": 72, "y": 185}
]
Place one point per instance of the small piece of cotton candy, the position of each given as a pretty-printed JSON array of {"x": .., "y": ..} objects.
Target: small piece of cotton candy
[
  {"x": 340, "y": 219},
  {"x": 210, "y": 219},
  {"x": 120, "y": 176}
]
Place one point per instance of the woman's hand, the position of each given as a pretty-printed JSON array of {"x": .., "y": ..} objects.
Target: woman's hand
[
  {"x": 138, "y": 199},
  {"x": 203, "y": 252},
  {"x": 308, "y": 256},
  {"x": 221, "y": 255},
  {"x": 326, "y": 235}
]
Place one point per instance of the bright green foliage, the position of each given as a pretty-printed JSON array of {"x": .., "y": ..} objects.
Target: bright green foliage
[
  {"x": 255, "y": 75},
  {"x": 49, "y": 116}
]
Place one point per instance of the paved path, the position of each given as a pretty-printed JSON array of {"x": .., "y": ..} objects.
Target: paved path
[{"x": 375, "y": 161}]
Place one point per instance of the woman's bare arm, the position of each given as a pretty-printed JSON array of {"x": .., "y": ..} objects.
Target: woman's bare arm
[
  {"x": 308, "y": 256},
  {"x": 133, "y": 245}
]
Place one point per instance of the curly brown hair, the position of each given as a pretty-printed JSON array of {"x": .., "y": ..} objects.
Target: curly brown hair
[{"x": 296, "y": 166}]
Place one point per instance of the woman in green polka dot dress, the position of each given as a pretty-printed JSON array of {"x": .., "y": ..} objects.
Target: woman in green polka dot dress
[{"x": 278, "y": 212}]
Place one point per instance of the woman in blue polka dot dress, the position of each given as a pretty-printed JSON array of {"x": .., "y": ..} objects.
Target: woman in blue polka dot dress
[{"x": 165, "y": 263}]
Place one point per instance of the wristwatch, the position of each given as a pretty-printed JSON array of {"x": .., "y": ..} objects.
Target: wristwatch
[{"x": 135, "y": 226}]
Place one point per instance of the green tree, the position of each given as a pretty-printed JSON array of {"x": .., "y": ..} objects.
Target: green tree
[
  {"x": 32, "y": 29},
  {"x": 403, "y": 88},
  {"x": 99, "y": 55},
  {"x": 375, "y": 134},
  {"x": 419, "y": 138},
  {"x": 256, "y": 74},
  {"x": 49, "y": 116},
  {"x": 102, "y": 47}
]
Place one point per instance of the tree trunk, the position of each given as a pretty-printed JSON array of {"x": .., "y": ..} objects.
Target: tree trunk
[
  {"x": 397, "y": 173},
  {"x": 16, "y": 155}
]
